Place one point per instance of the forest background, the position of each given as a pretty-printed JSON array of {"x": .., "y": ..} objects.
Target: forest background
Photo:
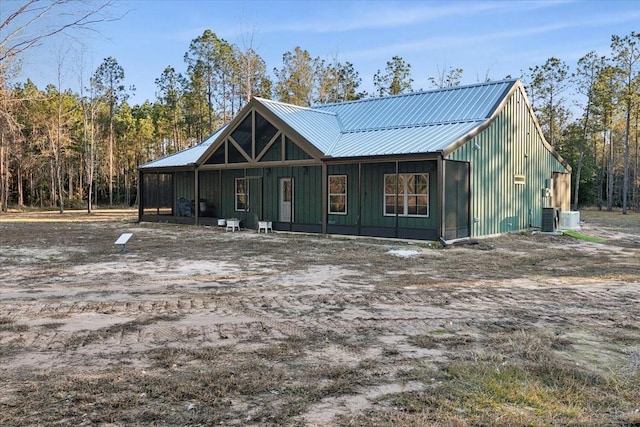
[{"x": 77, "y": 148}]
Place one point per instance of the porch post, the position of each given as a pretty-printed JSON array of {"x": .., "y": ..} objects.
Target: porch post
[
  {"x": 359, "y": 198},
  {"x": 140, "y": 192},
  {"x": 397, "y": 194},
  {"x": 219, "y": 193},
  {"x": 323, "y": 203},
  {"x": 196, "y": 203},
  {"x": 293, "y": 197}
]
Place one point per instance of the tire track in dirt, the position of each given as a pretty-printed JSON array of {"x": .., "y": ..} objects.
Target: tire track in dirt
[{"x": 155, "y": 322}]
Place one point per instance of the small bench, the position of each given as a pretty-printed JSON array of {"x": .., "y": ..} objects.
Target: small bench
[
  {"x": 233, "y": 225},
  {"x": 266, "y": 226},
  {"x": 122, "y": 241}
]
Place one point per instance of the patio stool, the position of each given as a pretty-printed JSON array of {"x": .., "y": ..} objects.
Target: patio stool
[
  {"x": 266, "y": 226},
  {"x": 233, "y": 225}
]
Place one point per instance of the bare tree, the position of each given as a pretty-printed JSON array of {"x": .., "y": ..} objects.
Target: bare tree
[
  {"x": 448, "y": 77},
  {"x": 88, "y": 107},
  {"x": 34, "y": 21},
  {"x": 9, "y": 132}
]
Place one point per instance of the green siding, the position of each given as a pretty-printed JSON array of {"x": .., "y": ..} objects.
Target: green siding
[
  {"x": 307, "y": 194},
  {"x": 264, "y": 193},
  {"x": 274, "y": 153},
  {"x": 511, "y": 145},
  {"x": 270, "y": 192},
  {"x": 227, "y": 195},
  {"x": 373, "y": 195},
  {"x": 293, "y": 152}
]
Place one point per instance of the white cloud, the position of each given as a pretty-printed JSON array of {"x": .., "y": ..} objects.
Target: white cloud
[{"x": 376, "y": 16}]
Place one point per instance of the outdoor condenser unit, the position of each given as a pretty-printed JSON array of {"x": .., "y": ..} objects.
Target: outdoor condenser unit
[{"x": 550, "y": 218}]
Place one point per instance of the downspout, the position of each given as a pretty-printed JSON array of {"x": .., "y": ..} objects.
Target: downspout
[
  {"x": 470, "y": 202},
  {"x": 441, "y": 195}
]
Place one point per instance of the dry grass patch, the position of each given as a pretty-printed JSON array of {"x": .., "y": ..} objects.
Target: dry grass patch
[{"x": 506, "y": 394}]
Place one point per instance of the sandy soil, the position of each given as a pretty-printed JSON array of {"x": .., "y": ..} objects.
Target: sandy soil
[{"x": 72, "y": 303}]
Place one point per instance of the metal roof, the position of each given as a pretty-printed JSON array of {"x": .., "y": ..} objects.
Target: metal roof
[
  {"x": 409, "y": 140},
  {"x": 321, "y": 128},
  {"x": 185, "y": 157},
  {"x": 450, "y": 105},
  {"x": 417, "y": 122}
]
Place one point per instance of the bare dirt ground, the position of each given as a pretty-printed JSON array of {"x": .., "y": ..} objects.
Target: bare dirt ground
[{"x": 198, "y": 326}]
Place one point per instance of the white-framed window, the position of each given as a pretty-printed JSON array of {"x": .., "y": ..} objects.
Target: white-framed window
[
  {"x": 242, "y": 194},
  {"x": 338, "y": 194},
  {"x": 519, "y": 180},
  {"x": 406, "y": 194}
]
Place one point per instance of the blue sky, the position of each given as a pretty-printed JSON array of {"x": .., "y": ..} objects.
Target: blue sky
[{"x": 484, "y": 38}]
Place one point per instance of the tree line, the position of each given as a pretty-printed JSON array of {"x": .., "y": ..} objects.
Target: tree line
[{"x": 64, "y": 148}]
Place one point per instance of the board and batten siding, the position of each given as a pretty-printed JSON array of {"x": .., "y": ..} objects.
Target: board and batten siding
[
  {"x": 512, "y": 145},
  {"x": 371, "y": 196},
  {"x": 307, "y": 184}
]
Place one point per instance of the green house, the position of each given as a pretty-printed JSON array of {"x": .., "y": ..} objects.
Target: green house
[{"x": 445, "y": 164}]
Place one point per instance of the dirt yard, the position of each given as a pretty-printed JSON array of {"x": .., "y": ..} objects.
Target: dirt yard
[{"x": 198, "y": 326}]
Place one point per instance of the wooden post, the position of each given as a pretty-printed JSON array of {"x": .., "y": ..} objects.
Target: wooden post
[{"x": 323, "y": 203}]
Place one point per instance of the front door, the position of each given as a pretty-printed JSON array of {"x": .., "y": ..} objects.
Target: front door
[
  {"x": 286, "y": 200},
  {"x": 456, "y": 200}
]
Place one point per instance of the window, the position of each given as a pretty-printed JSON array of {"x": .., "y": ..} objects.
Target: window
[
  {"x": 406, "y": 194},
  {"x": 338, "y": 194},
  {"x": 242, "y": 194},
  {"x": 519, "y": 180},
  {"x": 242, "y": 135}
]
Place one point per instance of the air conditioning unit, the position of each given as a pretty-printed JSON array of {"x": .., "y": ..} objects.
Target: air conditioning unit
[
  {"x": 570, "y": 220},
  {"x": 550, "y": 219}
]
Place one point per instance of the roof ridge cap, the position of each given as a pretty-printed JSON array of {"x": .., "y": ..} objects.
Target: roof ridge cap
[
  {"x": 265, "y": 100},
  {"x": 415, "y": 125},
  {"x": 419, "y": 92}
]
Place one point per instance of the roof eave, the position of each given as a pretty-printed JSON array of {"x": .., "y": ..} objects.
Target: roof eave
[
  {"x": 430, "y": 155},
  {"x": 187, "y": 167}
]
